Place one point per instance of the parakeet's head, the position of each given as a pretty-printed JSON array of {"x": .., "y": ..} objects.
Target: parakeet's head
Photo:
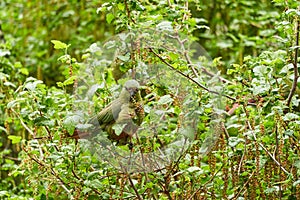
[
  {"x": 132, "y": 87},
  {"x": 129, "y": 91}
]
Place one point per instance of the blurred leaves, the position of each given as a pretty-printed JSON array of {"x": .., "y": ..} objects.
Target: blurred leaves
[{"x": 42, "y": 101}]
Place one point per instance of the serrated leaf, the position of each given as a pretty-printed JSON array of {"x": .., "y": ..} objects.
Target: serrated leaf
[
  {"x": 10, "y": 84},
  {"x": 18, "y": 65},
  {"x": 165, "y": 26},
  {"x": 121, "y": 6},
  {"x": 124, "y": 58},
  {"x": 233, "y": 141},
  {"x": 32, "y": 85},
  {"x": 70, "y": 80}
]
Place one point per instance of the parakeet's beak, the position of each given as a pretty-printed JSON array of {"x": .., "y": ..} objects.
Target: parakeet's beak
[{"x": 132, "y": 91}]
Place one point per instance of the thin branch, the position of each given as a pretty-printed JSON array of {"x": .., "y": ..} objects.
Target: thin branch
[
  {"x": 62, "y": 183},
  {"x": 296, "y": 73},
  {"x": 128, "y": 11},
  {"x": 188, "y": 59},
  {"x": 188, "y": 77},
  {"x": 46, "y": 127},
  {"x": 210, "y": 180},
  {"x": 242, "y": 159},
  {"x": 23, "y": 124},
  {"x": 277, "y": 152},
  {"x": 134, "y": 188},
  {"x": 249, "y": 179},
  {"x": 263, "y": 147}
]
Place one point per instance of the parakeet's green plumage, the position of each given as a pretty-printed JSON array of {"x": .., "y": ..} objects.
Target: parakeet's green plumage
[{"x": 126, "y": 111}]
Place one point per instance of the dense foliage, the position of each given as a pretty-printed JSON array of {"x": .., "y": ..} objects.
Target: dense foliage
[{"x": 219, "y": 124}]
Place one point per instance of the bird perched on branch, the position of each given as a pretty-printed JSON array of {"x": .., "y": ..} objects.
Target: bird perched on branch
[{"x": 119, "y": 119}]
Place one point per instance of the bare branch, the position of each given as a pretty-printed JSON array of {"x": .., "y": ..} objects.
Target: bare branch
[
  {"x": 188, "y": 77},
  {"x": 296, "y": 73},
  {"x": 23, "y": 124},
  {"x": 263, "y": 147}
]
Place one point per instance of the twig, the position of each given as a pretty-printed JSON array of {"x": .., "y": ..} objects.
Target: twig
[
  {"x": 29, "y": 131},
  {"x": 188, "y": 77},
  {"x": 46, "y": 127},
  {"x": 188, "y": 59},
  {"x": 133, "y": 187},
  {"x": 296, "y": 73},
  {"x": 277, "y": 152},
  {"x": 23, "y": 124},
  {"x": 211, "y": 179},
  {"x": 249, "y": 179},
  {"x": 242, "y": 158},
  {"x": 263, "y": 147},
  {"x": 128, "y": 11},
  {"x": 62, "y": 183}
]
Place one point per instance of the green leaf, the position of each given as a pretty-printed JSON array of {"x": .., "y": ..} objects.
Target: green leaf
[
  {"x": 193, "y": 169},
  {"x": 165, "y": 100},
  {"x": 59, "y": 45},
  {"x": 10, "y": 84},
  {"x": 118, "y": 128},
  {"x": 86, "y": 190},
  {"x": 24, "y": 71},
  {"x": 121, "y": 6},
  {"x": 290, "y": 116},
  {"x": 32, "y": 85},
  {"x": 70, "y": 122},
  {"x": 14, "y": 102},
  {"x": 296, "y": 183},
  {"x": 18, "y": 64},
  {"x": 165, "y": 26},
  {"x": 233, "y": 141},
  {"x": 15, "y": 139},
  {"x": 109, "y": 17},
  {"x": 124, "y": 58},
  {"x": 70, "y": 80}
]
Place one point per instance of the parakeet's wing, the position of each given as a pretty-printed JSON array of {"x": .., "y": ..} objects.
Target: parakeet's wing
[{"x": 108, "y": 115}]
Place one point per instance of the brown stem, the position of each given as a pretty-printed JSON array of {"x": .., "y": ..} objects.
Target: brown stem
[
  {"x": 278, "y": 158},
  {"x": 296, "y": 73},
  {"x": 210, "y": 180},
  {"x": 261, "y": 145},
  {"x": 134, "y": 188},
  {"x": 188, "y": 77},
  {"x": 128, "y": 11}
]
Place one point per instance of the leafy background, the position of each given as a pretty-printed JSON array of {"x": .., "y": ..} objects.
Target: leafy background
[{"x": 254, "y": 46}]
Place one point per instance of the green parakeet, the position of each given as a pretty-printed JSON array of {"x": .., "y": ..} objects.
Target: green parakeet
[{"x": 121, "y": 118}]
